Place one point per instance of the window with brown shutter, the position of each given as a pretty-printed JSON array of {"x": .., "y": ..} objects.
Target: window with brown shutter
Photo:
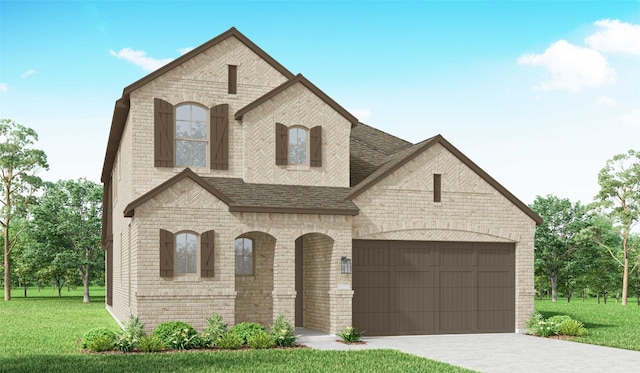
[
  {"x": 233, "y": 79},
  {"x": 282, "y": 144},
  {"x": 316, "y": 147},
  {"x": 167, "y": 249},
  {"x": 437, "y": 187},
  {"x": 163, "y": 133},
  {"x": 219, "y": 152},
  {"x": 206, "y": 254}
]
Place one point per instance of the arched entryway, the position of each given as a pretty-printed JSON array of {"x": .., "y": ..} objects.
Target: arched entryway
[{"x": 313, "y": 267}]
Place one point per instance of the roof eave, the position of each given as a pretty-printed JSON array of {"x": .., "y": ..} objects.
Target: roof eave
[{"x": 293, "y": 210}]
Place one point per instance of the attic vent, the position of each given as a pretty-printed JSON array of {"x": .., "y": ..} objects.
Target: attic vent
[
  {"x": 233, "y": 79},
  {"x": 437, "y": 188}
]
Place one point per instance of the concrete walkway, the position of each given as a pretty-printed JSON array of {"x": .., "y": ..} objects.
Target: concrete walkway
[{"x": 494, "y": 352}]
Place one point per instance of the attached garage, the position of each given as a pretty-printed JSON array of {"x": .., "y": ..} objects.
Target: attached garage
[{"x": 425, "y": 287}]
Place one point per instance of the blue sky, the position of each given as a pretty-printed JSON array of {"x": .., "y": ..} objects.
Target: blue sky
[{"x": 538, "y": 93}]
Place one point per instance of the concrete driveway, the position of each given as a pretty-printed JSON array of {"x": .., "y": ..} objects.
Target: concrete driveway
[{"x": 495, "y": 352}]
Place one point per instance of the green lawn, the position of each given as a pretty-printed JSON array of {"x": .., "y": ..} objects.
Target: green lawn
[
  {"x": 40, "y": 334},
  {"x": 608, "y": 324}
]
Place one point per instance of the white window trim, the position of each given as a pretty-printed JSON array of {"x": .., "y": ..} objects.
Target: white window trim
[
  {"x": 175, "y": 253},
  {"x": 206, "y": 140}
]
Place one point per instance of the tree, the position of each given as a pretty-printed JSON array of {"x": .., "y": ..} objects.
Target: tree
[
  {"x": 555, "y": 239},
  {"x": 619, "y": 198},
  {"x": 19, "y": 165},
  {"x": 68, "y": 219}
]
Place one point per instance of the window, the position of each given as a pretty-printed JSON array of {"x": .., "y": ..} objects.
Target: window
[
  {"x": 191, "y": 136},
  {"x": 297, "y": 145},
  {"x": 186, "y": 253},
  {"x": 437, "y": 188},
  {"x": 244, "y": 257}
]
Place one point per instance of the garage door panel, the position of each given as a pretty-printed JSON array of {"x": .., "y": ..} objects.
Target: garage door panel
[{"x": 408, "y": 287}]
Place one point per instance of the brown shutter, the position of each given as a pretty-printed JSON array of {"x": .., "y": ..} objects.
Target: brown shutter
[
  {"x": 109, "y": 274},
  {"x": 206, "y": 254},
  {"x": 437, "y": 187},
  {"x": 282, "y": 144},
  {"x": 233, "y": 79},
  {"x": 316, "y": 147},
  {"x": 167, "y": 248},
  {"x": 219, "y": 152},
  {"x": 163, "y": 133}
]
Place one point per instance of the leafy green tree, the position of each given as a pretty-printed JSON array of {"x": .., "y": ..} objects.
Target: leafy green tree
[
  {"x": 68, "y": 220},
  {"x": 19, "y": 165},
  {"x": 555, "y": 239},
  {"x": 619, "y": 198}
]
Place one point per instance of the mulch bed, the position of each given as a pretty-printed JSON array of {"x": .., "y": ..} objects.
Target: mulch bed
[
  {"x": 173, "y": 351},
  {"x": 351, "y": 343}
]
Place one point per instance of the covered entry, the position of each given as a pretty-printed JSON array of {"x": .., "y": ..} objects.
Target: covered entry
[{"x": 420, "y": 287}]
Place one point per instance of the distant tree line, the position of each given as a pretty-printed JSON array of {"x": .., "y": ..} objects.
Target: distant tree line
[
  {"x": 592, "y": 250},
  {"x": 50, "y": 231}
]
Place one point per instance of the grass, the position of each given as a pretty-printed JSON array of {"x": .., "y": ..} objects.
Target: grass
[
  {"x": 608, "y": 324},
  {"x": 40, "y": 334}
]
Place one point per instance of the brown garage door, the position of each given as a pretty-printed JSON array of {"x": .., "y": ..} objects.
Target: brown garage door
[{"x": 418, "y": 287}]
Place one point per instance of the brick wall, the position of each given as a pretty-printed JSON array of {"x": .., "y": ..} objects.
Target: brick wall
[{"x": 254, "y": 301}]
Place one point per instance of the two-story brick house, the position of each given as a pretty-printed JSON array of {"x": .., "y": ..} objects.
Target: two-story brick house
[{"x": 233, "y": 186}]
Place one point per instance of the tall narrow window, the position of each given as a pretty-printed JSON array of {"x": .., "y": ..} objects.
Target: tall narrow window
[
  {"x": 437, "y": 187},
  {"x": 297, "y": 145},
  {"x": 186, "y": 253},
  {"x": 233, "y": 79},
  {"x": 191, "y": 136},
  {"x": 244, "y": 256}
]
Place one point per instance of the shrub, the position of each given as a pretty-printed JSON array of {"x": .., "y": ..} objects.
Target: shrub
[
  {"x": 95, "y": 333},
  {"x": 350, "y": 335},
  {"x": 572, "y": 328},
  {"x": 558, "y": 319},
  {"x": 169, "y": 328},
  {"x": 100, "y": 343},
  {"x": 245, "y": 329},
  {"x": 229, "y": 341},
  {"x": 215, "y": 328},
  {"x": 130, "y": 337},
  {"x": 150, "y": 343},
  {"x": 183, "y": 340},
  {"x": 133, "y": 327},
  {"x": 283, "y": 332},
  {"x": 261, "y": 340}
]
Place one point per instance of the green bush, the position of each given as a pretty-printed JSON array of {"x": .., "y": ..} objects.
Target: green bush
[
  {"x": 350, "y": 335},
  {"x": 558, "y": 319},
  {"x": 169, "y": 329},
  {"x": 572, "y": 328},
  {"x": 100, "y": 343},
  {"x": 183, "y": 340},
  {"x": 94, "y": 333},
  {"x": 245, "y": 329},
  {"x": 283, "y": 332},
  {"x": 215, "y": 328},
  {"x": 133, "y": 330},
  {"x": 229, "y": 341},
  {"x": 150, "y": 343},
  {"x": 261, "y": 340}
]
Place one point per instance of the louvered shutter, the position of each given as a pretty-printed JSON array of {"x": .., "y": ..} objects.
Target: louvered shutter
[
  {"x": 163, "y": 133},
  {"x": 282, "y": 144},
  {"x": 219, "y": 151},
  {"x": 206, "y": 254},
  {"x": 167, "y": 249},
  {"x": 316, "y": 147}
]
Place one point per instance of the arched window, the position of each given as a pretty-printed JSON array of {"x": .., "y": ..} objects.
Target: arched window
[
  {"x": 297, "y": 145},
  {"x": 186, "y": 253},
  {"x": 191, "y": 136},
  {"x": 244, "y": 256}
]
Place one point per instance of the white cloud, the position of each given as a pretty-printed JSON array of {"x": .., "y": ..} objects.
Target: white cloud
[
  {"x": 140, "y": 58},
  {"x": 605, "y": 101},
  {"x": 616, "y": 36},
  {"x": 570, "y": 67},
  {"x": 4, "y": 87},
  {"x": 632, "y": 118},
  {"x": 185, "y": 50},
  {"x": 361, "y": 113},
  {"x": 27, "y": 73}
]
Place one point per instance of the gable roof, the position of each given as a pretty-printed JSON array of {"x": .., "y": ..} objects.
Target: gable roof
[
  {"x": 122, "y": 105},
  {"x": 267, "y": 198},
  {"x": 400, "y": 158},
  {"x": 304, "y": 81}
]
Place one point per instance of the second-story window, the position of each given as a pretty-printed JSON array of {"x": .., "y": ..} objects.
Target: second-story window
[
  {"x": 191, "y": 136},
  {"x": 297, "y": 145}
]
